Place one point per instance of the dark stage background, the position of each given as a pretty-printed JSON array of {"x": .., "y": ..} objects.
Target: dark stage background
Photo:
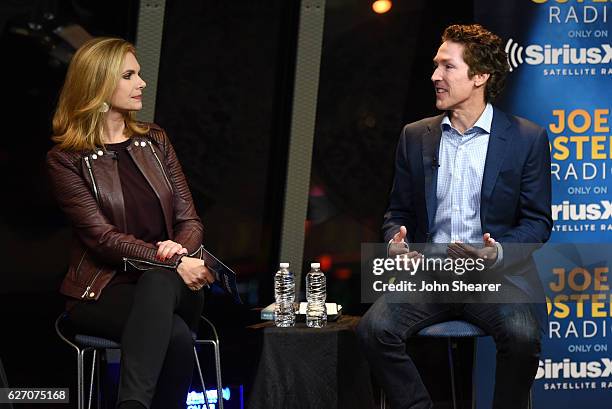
[{"x": 224, "y": 96}]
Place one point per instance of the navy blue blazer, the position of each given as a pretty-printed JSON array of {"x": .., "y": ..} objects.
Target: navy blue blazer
[{"x": 515, "y": 203}]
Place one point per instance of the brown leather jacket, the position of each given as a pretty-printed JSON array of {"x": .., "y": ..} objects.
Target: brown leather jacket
[{"x": 87, "y": 188}]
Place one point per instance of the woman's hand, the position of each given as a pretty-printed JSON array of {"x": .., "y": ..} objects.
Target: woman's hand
[
  {"x": 167, "y": 249},
  {"x": 194, "y": 273}
]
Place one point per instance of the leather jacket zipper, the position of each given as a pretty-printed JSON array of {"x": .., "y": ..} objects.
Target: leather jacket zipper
[
  {"x": 127, "y": 261},
  {"x": 198, "y": 250},
  {"x": 160, "y": 165},
  {"x": 91, "y": 283},
  {"x": 91, "y": 176},
  {"x": 81, "y": 262}
]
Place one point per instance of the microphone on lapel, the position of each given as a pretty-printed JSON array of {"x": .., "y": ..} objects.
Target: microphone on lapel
[{"x": 434, "y": 162}]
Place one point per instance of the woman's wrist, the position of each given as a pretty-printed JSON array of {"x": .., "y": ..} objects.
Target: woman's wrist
[{"x": 179, "y": 259}]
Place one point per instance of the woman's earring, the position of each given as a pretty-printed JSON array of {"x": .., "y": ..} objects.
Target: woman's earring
[{"x": 104, "y": 107}]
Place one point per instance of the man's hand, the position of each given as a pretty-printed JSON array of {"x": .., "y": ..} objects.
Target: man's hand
[
  {"x": 400, "y": 235},
  {"x": 167, "y": 249},
  {"x": 488, "y": 241},
  {"x": 398, "y": 245},
  {"x": 488, "y": 253},
  {"x": 194, "y": 273}
]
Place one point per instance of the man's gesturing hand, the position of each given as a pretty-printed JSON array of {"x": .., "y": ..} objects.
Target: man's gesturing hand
[
  {"x": 398, "y": 246},
  {"x": 488, "y": 253},
  {"x": 400, "y": 235}
]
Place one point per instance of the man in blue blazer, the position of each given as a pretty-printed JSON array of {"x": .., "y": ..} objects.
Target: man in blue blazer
[{"x": 471, "y": 175}]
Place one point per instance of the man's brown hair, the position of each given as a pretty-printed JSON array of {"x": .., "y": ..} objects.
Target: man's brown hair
[{"x": 483, "y": 53}]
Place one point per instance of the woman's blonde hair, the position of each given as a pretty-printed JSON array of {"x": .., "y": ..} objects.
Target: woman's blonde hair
[{"x": 92, "y": 77}]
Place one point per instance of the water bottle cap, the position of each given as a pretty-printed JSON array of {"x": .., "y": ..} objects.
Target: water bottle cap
[
  {"x": 315, "y": 265},
  {"x": 284, "y": 265}
]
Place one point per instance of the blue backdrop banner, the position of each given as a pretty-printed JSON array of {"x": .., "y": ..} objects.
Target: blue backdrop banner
[{"x": 561, "y": 61}]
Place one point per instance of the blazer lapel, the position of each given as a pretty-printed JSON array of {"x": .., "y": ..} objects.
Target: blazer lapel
[
  {"x": 496, "y": 151},
  {"x": 431, "y": 147}
]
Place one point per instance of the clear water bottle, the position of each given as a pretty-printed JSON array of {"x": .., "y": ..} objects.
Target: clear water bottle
[
  {"x": 284, "y": 296},
  {"x": 316, "y": 292}
]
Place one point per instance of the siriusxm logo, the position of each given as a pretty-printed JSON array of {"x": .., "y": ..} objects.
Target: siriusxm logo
[
  {"x": 567, "y": 369},
  {"x": 536, "y": 54},
  {"x": 584, "y": 211}
]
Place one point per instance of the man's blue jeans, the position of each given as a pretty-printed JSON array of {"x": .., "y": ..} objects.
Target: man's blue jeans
[{"x": 383, "y": 331}]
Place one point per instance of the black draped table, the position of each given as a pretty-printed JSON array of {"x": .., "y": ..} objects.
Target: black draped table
[{"x": 311, "y": 368}]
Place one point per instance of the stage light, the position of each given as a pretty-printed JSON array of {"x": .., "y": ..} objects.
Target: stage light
[
  {"x": 326, "y": 262},
  {"x": 381, "y": 6},
  {"x": 343, "y": 273}
]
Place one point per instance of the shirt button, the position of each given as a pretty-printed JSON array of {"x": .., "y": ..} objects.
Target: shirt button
[
  {"x": 100, "y": 153},
  {"x": 143, "y": 144},
  {"x": 136, "y": 143},
  {"x": 92, "y": 294},
  {"x": 94, "y": 156}
]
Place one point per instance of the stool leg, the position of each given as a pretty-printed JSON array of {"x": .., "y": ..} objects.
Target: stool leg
[
  {"x": 197, "y": 359},
  {"x": 530, "y": 401},
  {"x": 474, "y": 374},
  {"x": 80, "y": 379},
  {"x": 383, "y": 399},
  {"x": 218, "y": 373},
  {"x": 98, "y": 376},
  {"x": 91, "y": 379},
  {"x": 452, "y": 372}
]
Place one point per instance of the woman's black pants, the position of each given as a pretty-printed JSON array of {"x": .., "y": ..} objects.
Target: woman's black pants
[{"x": 152, "y": 319}]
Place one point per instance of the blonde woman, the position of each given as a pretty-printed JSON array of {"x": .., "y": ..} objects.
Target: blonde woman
[{"x": 134, "y": 275}]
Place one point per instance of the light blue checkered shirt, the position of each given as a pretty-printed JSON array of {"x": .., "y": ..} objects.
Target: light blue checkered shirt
[{"x": 462, "y": 161}]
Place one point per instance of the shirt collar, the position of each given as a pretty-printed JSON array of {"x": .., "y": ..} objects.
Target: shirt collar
[{"x": 484, "y": 121}]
